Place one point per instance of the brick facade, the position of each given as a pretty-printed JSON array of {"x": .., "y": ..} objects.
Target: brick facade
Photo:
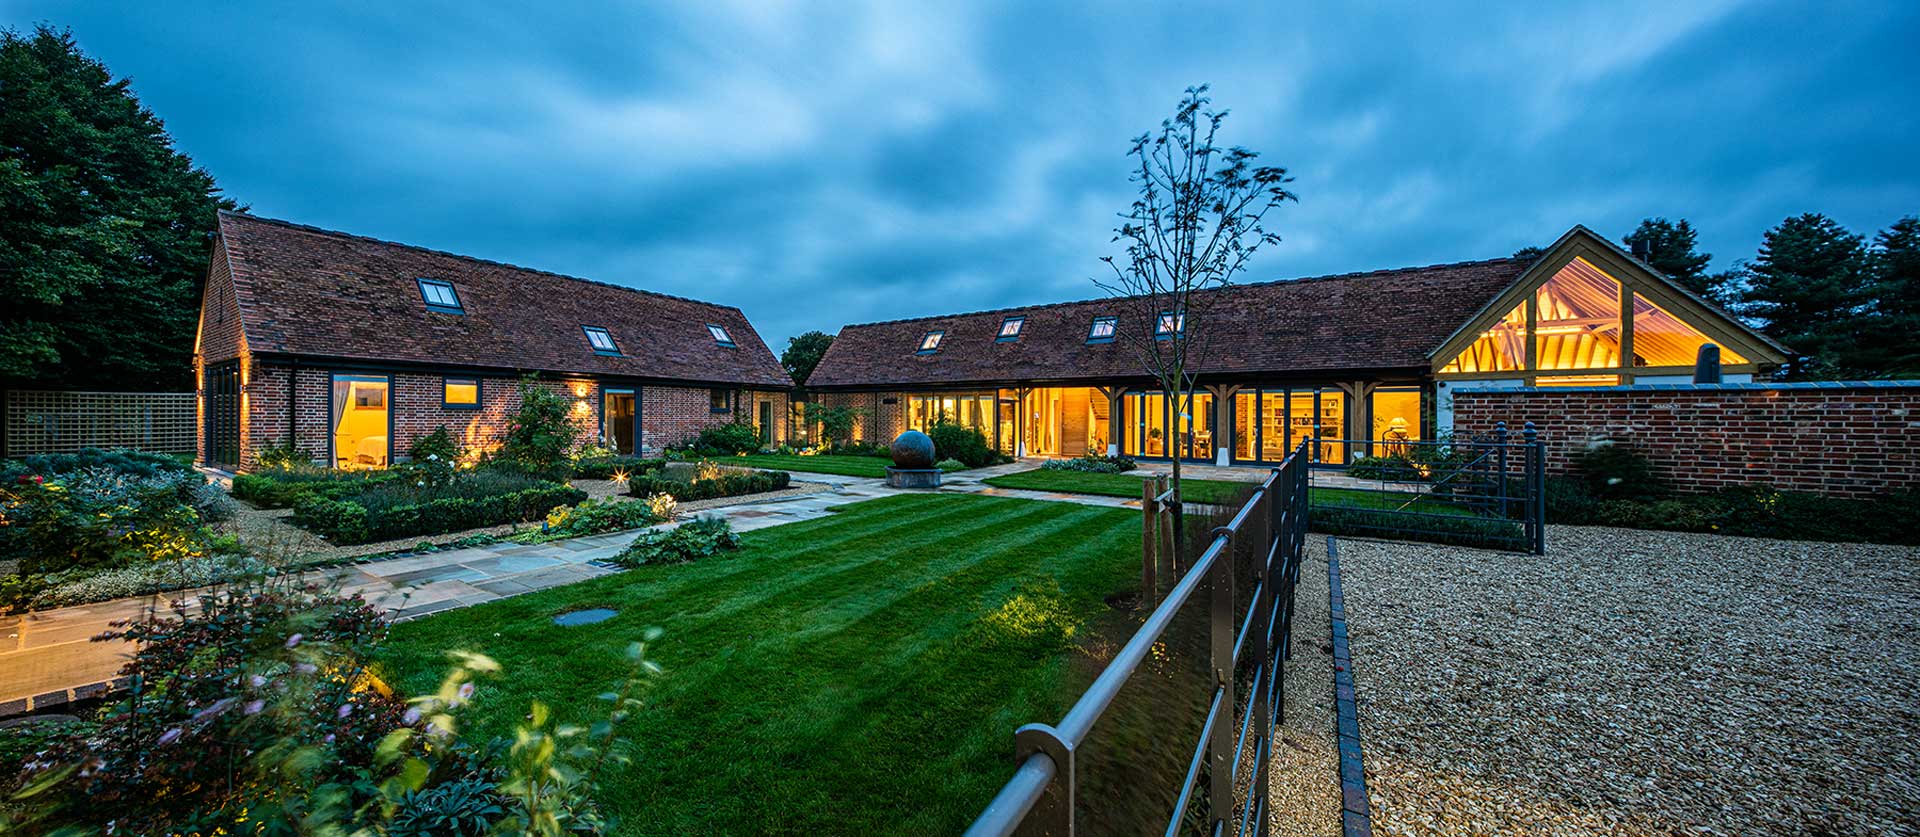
[
  {"x": 1847, "y": 440},
  {"x": 668, "y": 415},
  {"x": 879, "y": 421},
  {"x": 219, "y": 337}
]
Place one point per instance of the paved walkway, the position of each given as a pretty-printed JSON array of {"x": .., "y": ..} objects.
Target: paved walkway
[{"x": 46, "y": 657}]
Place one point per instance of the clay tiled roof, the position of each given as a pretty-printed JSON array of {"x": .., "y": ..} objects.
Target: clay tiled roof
[
  {"x": 1383, "y": 320},
  {"x": 313, "y": 292}
]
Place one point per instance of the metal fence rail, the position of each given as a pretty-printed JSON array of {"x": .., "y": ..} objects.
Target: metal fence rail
[
  {"x": 40, "y": 421},
  {"x": 1248, "y": 633}
]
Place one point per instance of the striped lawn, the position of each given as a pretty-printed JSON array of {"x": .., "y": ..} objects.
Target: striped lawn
[{"x": 860, "y": 673}]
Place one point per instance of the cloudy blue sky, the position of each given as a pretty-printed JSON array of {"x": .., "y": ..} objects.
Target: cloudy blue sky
[{"x": 870, "y": 162}]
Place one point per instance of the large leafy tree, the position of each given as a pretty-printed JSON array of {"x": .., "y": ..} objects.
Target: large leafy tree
[
  {"x": 1808, "y": 287},
  {"x": 104, "y": 226},
  {"x": 1669, "y": 247},
  {"x": 1891, "y": 340},
  {"x": 803, "y": 353}
]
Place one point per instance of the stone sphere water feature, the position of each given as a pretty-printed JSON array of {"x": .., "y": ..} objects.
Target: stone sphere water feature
[{"x": 913, "y": 462}]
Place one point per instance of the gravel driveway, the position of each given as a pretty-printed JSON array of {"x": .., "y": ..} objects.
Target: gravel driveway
[{"x": 1638, "y": 683}]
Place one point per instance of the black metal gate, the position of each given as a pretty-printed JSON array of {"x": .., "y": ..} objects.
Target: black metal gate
[
  {"x": 223, "y": 414},
  {"x": 1486, "y": 491}
]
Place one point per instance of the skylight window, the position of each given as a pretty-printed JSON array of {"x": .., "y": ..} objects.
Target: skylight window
[
  {"x": 1010, "y": 329},
  {"x": 1102, "y": 330},
  {"x": 1170, "y": 324},
  {"x": 930, "y": 342},
  {"x": 440, "y": 296},
  {"x": 601, "y": 340},
  {"x": 719, "y": 334}
]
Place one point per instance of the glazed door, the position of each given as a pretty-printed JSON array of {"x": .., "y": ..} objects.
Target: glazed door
[
  {"x": 223, "y": 415},
  {"x": 622, "y": 428}
]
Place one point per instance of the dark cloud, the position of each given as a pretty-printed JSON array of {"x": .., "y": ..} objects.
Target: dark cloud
[{"x": 890, "y": 161}]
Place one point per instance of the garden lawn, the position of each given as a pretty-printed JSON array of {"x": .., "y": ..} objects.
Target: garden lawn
[
  {"x": 1206, "y": 491},
  {"x": 846, "y": 466},
  {"x": 860, "y": 673}
]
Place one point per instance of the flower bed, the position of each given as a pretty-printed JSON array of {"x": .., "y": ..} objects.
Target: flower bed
[
  {"x": 398, "y": 509},
  {"x": 707, "y": 481}
]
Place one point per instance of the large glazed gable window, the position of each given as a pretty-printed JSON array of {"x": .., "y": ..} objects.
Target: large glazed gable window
[
  {"x": 1502, "y": 348},
  {"x": 1578, "y": 322},
  {"x": 1661, "y": 339},
  {"x": 440, "y": 296},
  {"x": 601, "y": 340}
]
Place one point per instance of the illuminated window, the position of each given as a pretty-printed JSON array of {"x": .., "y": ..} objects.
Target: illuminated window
[
  {"x": 460, "y": 393},
  {"x": 1102, "y": 330},
  {"x": 1502, "y": 348},
  {"x": 1396, "y": 420},
  {"x": 1170, "y": 324},
  {"x": 601, "y": 340},
  {"x": 1010, "y": 328},
  {"x": 930, "y": 342},
  {"x": 720, "y": 400},
  {"x": 719, "y": 335},
  {"x": 361, "y": 423},
  {"x": 1577, "y": 381},
  {"x": 440, "y": 296},
  {"x": 1577, "y": 324},
  {"x": 1661, "y": 339}
]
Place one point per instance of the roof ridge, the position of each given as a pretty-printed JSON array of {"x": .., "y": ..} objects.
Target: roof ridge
[
  {"x": 1358, "y": 274},
  {"x": 309, "y": 228}
]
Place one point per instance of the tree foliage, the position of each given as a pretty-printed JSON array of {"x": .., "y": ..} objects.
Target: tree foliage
[
  {"x": 1893, "y": 338},
  {"x": 803, "y": 353},
  {"x": 104, "y": 226},
  {"x": 1199, "y": 217},
  {"x": 1669, "y": 247},
  {"x": 1809, "y": 286}
]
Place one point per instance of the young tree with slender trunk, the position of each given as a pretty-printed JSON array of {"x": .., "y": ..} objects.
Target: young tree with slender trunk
[{"x": 1200, "y": 216}]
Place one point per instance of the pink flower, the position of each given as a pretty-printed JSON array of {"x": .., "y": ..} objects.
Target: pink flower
[
  {"x": 258, "y": 680},
  {"x": 412, "y": 716},
  {"x": 254, "y": 706},
  {"x": 345, "y": 710},
  {"x": 466, "y": 692},
  {"x": 293, "y": 641}
]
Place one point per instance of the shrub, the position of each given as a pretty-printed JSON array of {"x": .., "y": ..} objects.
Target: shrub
[
  {"x": 950, "y": 465},
  {"x": 729, "y": 482},
  {"x": 860, "y": 449},
  {"x": 595, "y": 516},
  {"x": 836, "y": 423},
  {"x": 541, "y": 433},
  {"x": 213, "y": 504},
  {"x": 1389, "y": 468},
  {"x": 281, "y": 456},
  {"x": 73, "y": 587},
  {"x": 605, "y": 467},
  {"x": 1754, "y": 511},
  {"x": 129, "y": 462},
  {"x": 727, "y": 439},
  {"x": 1091, "y": 464},
  {"x": 473, "y": 501},
  {"x": 463, "y": 808},
  {"x": 98, "y": 517},
  {"x": 1617, "y": 472},
  {"x": 439, "y": 445},
  {"x": 691, "y": 541},
  {"x": 958, "y": 441},
  {"x": 279, "y": 489}
]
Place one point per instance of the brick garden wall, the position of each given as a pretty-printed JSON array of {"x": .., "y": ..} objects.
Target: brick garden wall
[{"x": 1847, "y": 440}]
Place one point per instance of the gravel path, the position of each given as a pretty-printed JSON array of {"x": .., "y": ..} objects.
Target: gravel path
[
  {"x": 1306, "y": 764},
  {"x": 1638, "y": 683}
]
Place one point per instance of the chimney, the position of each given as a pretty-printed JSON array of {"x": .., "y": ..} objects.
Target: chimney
[{"x": 1706, "y": 367}]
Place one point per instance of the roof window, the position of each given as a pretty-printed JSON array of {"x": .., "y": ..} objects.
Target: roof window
[
  {"x": 720, "y": 334},
  {"x": 601, "y": 340},
  {"x": 930, "y": 342},
  {"x": 1010, "y": 329},
  {"x": 1102, "y": 330},
  {"x": 440, "y": 296}
]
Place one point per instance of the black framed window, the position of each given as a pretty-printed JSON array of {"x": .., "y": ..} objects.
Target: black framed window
[
  {"x": 460, "y": 393},
  {"x": 1102, "y": 329},
  {"x": 440, "y": 296},
  {"x": 601, "y": 340},
  {"x": 930, "y": 342},
  {"x": 1010, "y": 329},
  {"x": 720, "y": 334},
  {"x": 1170, "y": 324},
  {"x": 721, "y": 399}
]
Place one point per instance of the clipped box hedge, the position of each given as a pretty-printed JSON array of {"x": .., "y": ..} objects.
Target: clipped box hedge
[
  {"x": 281, "y": 489},
  {"x": 729, "y": 484},
  {"x": 346, "y": 522},
  {"x": 604, "y": 467}
]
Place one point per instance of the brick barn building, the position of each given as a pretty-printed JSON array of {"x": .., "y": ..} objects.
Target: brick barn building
[
  {"x": 352, "y": 348},
  {"x": 1357, "y": 361}
]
